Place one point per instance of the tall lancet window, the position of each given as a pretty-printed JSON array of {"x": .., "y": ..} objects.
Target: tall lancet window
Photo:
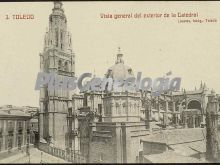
[
  {"x": 124, "y": 108},
  {"x": 61, "y": 35},
  {"x": 59, "y": 65},
  {"x": 56, "y": 37},
  {"x": 66, "y": 66},
  {"x": 61, "y": 39},
  {"x": 70, "y": 42},
  {"x": 117, "y": 108}
]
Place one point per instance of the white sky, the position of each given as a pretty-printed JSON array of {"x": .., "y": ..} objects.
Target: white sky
[{"x": 152, "y": 46}]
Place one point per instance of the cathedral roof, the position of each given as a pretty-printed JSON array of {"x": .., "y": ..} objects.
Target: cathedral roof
[{"x": 119, "y": 70}]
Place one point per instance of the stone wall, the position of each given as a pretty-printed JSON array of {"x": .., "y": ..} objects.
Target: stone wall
[
  {"x": 153, "y": 148},
  {"x": 116, "y": 142}
]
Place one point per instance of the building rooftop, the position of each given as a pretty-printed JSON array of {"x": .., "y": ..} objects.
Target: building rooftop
[
  {"x": 170, "y": 157},
  {"x": 188, "y": 149},
  {"x": 185, "y": 142},
  {"x": 10, "y": 110},
  {"x": 177, "y": 136},
  {"x": 13, "y": 112}
]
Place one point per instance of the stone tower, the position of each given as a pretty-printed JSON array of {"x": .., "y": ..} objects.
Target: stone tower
[
  {"x": 58, "y": 57},
  {"x": 212, "y": 139}
]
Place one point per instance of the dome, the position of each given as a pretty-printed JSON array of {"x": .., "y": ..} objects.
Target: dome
[{"x": 119, "y": 70}]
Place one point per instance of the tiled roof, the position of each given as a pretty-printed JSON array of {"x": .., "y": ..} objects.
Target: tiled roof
[
  {"x": 188, "y": 149},
  {"x": 12, "y": 112},
  {"x": 177, "y": 136},
  {"x": 171, "y": 157}
]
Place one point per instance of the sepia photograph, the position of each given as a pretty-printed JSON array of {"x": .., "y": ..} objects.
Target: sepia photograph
[{"x": 109, "y": 82}]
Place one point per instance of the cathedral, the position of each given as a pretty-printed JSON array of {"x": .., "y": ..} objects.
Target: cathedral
[
  {"x": 119, "y": 119},
  {"x": 58, "y": 57}
]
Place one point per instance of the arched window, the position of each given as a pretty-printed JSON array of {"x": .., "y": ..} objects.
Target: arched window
[
  {"x": 130, "y": 107},
  {"x": 61, "y": 39},
  {"x": 135, "y": 108},
  {"x": 124, "y": 108},
  {"x": 56, "y": 37},
  {"x": 61, "y": 35},
  {"x": 59, "y": 65},
  {"x": 66, "y": 66},
  {"x": 117, "y": 108},
  {"x": 194, "y": 104}
]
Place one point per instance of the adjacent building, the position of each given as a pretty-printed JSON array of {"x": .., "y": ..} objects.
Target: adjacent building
[{"x": 14, "y": 129}]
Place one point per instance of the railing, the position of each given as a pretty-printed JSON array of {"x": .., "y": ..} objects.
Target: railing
[{"x": 69, "y": 156}]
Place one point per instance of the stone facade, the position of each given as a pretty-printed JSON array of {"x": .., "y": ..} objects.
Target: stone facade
[
  {"x": 115, "y": 142},
  {"x": 57, "y": 57},
  {"x": 121, "y": 107},
  {"x": 15, "y": 130}
]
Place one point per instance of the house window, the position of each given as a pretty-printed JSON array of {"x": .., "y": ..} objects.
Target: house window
[
  {"x": 10, "y": 126},
  {"x": 19, "y": 141},
  {"x": 10, "y": 141},
  {"x": 20, "y": 125}
]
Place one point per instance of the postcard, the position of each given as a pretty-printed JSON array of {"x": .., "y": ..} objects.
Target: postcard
[{"x": 110, "y": 82}]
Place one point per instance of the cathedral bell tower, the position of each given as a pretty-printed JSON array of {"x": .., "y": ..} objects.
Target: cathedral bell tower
[{"x": 58, "y": 57}]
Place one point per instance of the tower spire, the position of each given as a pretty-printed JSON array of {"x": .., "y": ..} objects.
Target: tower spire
[
  {"x": 119, "y": 57},
  {"x": 119, "y": 50},
  {"x": 58, "y": 4}
]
